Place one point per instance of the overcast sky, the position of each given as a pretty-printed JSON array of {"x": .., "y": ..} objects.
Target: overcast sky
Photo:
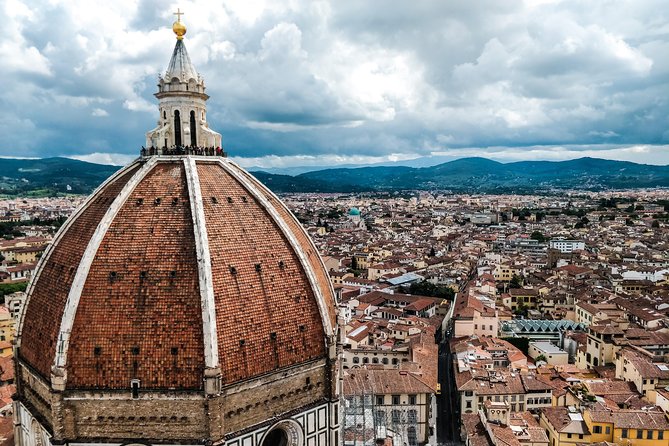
[{"x": 347, "y": 81}]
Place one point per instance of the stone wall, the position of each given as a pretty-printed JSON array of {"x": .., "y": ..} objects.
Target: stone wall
[
  {"x": 35, "y": 393},
  {"x": 266, "y": 398},
  {"x": 176, "y": 416},
  {"x": 152, "y": 417}
]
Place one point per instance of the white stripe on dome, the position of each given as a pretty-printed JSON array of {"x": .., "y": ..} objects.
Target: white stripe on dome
[
  {"x": 205, "y": 276},
  {"x": 299, "y": 225},
  {"x": 59, "y": 235},
  {"x": 87, "y": 258},
  {"x": 267, "y": 205}
]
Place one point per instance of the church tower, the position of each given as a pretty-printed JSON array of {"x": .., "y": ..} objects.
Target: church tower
[
  {"x": 181, "y": 304},
  {"x": 182, "y": 105}
]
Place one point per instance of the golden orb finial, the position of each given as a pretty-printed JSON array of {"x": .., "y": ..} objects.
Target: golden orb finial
[{"x": 178, "y": 27}]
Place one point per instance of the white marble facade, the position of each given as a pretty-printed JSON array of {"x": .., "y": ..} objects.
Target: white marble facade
[{"x": 316, "y": 426}]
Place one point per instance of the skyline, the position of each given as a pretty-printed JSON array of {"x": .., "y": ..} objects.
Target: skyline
[{"x": 321, "y": 84}]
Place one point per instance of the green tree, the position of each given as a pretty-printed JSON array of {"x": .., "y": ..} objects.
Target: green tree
[
  {"x": 538, "y": 236},
  {"x": 9, "y": 288},
  {"x": 655, "y": 224},
  {"x": 426, "y": 288},
  {"x": 515, "y": 282},
  {"x": 334, "y": 214},
  {"x": 582, "y": 223},
  {"x": 521, "y": 309},
  {"x": 540, "y": 358}
]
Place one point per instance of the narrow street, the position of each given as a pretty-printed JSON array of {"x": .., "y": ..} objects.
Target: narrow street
[{"x": 448, "y": 417}]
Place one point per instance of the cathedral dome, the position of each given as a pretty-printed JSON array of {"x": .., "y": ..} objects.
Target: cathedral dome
[{"x": 174, "y": 267}]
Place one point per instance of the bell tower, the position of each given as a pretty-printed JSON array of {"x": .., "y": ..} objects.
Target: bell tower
[{"x": 182, "y": 100}]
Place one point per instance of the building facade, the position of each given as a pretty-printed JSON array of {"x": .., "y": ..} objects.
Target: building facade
[
  {"x": 388, "y": 404},
  {"x": 566, "y": 246}
]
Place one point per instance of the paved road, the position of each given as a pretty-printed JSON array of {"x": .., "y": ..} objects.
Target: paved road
[{"x": 448, "y": 417}]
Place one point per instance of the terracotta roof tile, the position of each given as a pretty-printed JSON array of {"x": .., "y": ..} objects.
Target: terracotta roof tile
[{"x": 47, "y": 299}]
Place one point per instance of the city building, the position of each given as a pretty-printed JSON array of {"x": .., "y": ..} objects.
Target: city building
[
  {"x": 627, "y": 427},
  {"x": 522, "y": 393},
  {"x": 539, "y": 330},
  {"x": 393, "y": 404},
  {"x": 565, "y": 426},
  {"x": 566, "y": 246},
  {"x": 647, "y": 371},
  {"x": 604, "y": 341},
  {"x": 548, "y": 352},
  {"x": 473, "y": 316},
  {"x": 497, "y": 425}
]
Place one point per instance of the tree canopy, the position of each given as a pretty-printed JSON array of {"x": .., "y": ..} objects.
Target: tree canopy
[{"x": 426, "y": 288}]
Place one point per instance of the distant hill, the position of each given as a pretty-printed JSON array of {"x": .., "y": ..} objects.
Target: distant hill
[
  {"x": 287, "y": 183},
  {"x": 48, "y": 176},
  {"x": 484, "y": 175},
  {"x": 51, "y": 175}
]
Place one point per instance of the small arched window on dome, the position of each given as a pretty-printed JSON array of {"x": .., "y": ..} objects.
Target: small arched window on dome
[{"x": 164, "y": 114}]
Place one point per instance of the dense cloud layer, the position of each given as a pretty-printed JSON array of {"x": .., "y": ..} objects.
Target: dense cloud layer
[{"x": 323, "y": 83}]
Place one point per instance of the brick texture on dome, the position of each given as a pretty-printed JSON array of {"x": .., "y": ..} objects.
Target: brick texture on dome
[
  {"x": 266, "y": 313},
  {"x": 145, "y": 322},
  {"x": 140, "y": 315},
  {"x": 304, "y": 241},
  {"x": 49, "y": 294}
]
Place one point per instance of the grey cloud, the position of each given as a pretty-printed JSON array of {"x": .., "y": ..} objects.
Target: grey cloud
[{"x": 352, "y": 77}]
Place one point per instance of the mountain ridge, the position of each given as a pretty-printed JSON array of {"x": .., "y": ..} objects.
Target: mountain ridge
[
  {"x": 473, "y": 174},
  {"x": 477, "y": 174}
]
